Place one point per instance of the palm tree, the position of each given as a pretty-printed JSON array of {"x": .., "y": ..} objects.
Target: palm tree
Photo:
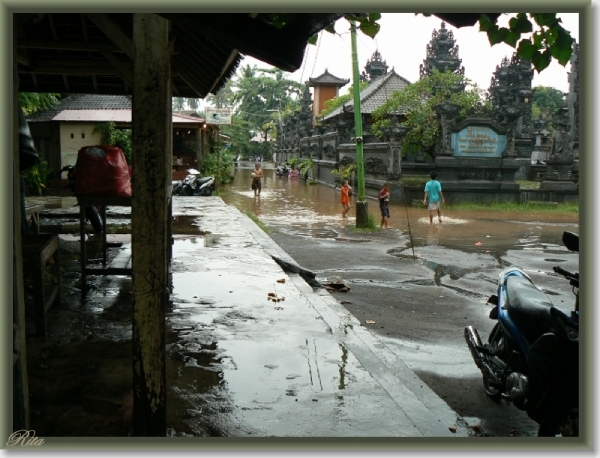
[{"x": 178, "y": 103}]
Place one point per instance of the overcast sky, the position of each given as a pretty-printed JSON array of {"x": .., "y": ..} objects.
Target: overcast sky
[{"x": 402, "y": 42}]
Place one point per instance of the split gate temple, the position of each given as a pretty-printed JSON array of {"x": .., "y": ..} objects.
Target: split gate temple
[{"x": 477, "y": 158}]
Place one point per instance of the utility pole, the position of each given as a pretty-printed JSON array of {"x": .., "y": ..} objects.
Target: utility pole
[{"x": 362, "y": 213}]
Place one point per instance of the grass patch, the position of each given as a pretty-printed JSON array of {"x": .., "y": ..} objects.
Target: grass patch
[
  {"x": 266, "y": 229},
  {"x": 415, "y": 181},
  {"x": 372, "y": 226},
  {"x": 528, "y": 184},
  {"x": 515, "y": 207}
]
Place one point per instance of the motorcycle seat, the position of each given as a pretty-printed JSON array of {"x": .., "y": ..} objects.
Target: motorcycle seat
[
  {"x": 528, "y": 307},
  {"x": 203, "y": 180}
]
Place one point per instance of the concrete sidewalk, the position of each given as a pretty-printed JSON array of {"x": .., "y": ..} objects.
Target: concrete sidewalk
[{"x": 302, "y": 366}]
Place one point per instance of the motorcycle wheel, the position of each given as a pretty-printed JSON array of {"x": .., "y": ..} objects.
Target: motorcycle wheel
[
  {"x": 562, "y": 421},
  {"x": 496, "y": 346}
]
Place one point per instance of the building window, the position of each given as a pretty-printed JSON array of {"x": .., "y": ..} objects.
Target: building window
[
  {"x": 72, "y": 135},
  {"x": 82, "y": 135}
]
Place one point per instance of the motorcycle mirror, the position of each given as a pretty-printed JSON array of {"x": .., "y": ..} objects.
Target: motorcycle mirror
[{"x": 571, "y": 241}]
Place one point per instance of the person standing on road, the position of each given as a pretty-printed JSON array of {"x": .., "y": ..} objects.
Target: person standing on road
[
  {"x": 433, "y": 197},
  {"x": 257, "y": 174},
  {"x": 384, "y": 205},
  {"x": 345, "y": 197}
]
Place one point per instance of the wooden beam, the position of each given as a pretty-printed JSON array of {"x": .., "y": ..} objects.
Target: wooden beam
[
  {"x": 152, "y": 157},
  {"x": 113, "y": 32},
  {"x": 122, "y": 69},
  {"x": 68, "y": 45}
]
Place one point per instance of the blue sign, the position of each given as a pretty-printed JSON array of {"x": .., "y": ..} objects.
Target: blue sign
[{"x": 478, "y": 141}]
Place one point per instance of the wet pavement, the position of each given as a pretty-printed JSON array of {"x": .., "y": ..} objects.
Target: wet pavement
[
  {"x": 305, "y": 364},
  {"x": 301, "y": 366}
]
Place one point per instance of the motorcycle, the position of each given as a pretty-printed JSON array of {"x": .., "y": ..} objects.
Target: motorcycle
[
  {"x": 283, "y": 171},
  {"x": 91, "y": 213},
  {"x": 191, "y": 185},
  {"x": 531, "y": 357}
]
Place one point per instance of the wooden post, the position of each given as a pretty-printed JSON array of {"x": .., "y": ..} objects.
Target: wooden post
[
  {"x": 20, "y": 411},
  {"x": 151, "y": 144}
]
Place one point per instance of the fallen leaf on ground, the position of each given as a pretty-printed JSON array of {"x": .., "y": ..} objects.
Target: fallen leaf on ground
[
  {"x": 371, "y": 322},
  {"x": 452, "y": 429},
  {"x": 271, "y": 294},
  {"x": 281, "y": 280}
]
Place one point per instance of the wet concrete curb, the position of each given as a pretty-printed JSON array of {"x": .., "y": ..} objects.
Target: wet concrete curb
[{"x": 431, "y": 416}]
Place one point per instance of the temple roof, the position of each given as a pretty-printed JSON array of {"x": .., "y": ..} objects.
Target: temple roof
[
  {"x": 375, "y": 94},
  {"x": 327, "y": 79}
]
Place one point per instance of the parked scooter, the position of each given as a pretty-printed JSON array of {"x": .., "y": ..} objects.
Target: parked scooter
[
  {"x": 283, "y": 170},
  {"x": 91, "y": 213},
  {"x": 531, "y": 358},
  {"x": 191, "y": 185}
]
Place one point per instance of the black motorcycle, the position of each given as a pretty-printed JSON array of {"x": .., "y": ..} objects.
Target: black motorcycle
[
  {"x": 191, "y": 185},
  {"x": 531, "y": 358},
  {"x": 91, "y": 213}
]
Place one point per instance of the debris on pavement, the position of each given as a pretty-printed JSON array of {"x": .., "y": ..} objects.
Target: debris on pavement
[{"x": 335, "y": 283}]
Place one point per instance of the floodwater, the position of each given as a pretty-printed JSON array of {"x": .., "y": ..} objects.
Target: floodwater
[
  {"x": 203, "y": 360},
  {"x": 295, "y": 207}
]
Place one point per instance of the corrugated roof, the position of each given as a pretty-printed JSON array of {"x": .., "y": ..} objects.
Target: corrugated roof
[
  {"x": 98, "y": 108},
  {"x": 77, "y": 102},
  {"x": 122, "y": 116},
  {"x": 328, "y": 78},
  {"x": 375, "y": 94}
]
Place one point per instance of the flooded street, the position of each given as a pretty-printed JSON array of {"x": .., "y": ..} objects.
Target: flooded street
[
  {"x": 387, "y": 358},
  {"x": 297, "y": 208},
  {"x": 419, "y": 308}
]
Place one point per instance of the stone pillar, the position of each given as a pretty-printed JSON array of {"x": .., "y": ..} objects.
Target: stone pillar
[{"x": 152, "y": 138}]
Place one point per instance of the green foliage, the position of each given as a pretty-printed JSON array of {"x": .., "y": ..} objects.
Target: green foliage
[
  {"x": 225, "y": 165},
  {"x": 305, "y": 165},
  {"x": 35, "y": 178},
  {"x": 371, "y": 226},
  {"x": 32, "y": 101},
  {"x": 546, "y": 100},
  {"x": 419, "y": 103},
  {"x": 332, "y": 104},
  {"x": 262, "y": 97},
  {"x": 367, "y": 24},
  {"x": 293, "y": 162},
  {"x": 111, "y": 136},
  {"x": 344, "y": 173},
  {"x": 549, "y": 41}
]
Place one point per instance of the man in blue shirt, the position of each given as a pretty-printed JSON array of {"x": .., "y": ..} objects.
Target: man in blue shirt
[{"x": 433, "y": 196}]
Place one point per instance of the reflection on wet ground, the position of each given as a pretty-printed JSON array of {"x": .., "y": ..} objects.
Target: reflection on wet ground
[{"x": 203, "y": 362}]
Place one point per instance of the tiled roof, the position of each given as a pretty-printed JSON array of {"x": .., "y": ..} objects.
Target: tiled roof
[
  {"x": 83, "y": 102},
  {"x": 375, "y": 94},
  {"x": 328, "y": 78}
]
